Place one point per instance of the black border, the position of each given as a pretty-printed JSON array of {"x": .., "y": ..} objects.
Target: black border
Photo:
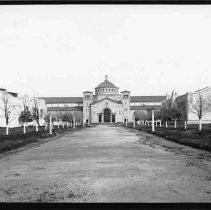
[
  {"x": 109, "y": 206},
  {"x": 35, "y": 2}
]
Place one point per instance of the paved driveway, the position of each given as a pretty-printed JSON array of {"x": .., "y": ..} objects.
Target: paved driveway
[{"x": 102, "y": 164}]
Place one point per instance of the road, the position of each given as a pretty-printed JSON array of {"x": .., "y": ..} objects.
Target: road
[{"x": 106, "y": 164}]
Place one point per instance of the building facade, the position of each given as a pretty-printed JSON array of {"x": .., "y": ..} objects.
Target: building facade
[
  {"x": 189, "y": 105},
  {"x": 106, "y": 105},
  {"x": 12, "y": 105}
]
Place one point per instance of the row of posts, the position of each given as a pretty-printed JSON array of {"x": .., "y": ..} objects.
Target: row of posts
[
  {"x": 74, "y": 124},
  {"x": 153, "y": 122}
]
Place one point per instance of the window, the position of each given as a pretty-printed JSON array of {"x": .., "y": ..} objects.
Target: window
[
  {"x": 125, "y": 96},
  {"x": 87, "y": 96}
]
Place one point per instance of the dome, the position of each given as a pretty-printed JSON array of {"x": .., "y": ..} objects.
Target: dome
[
  {"x": 106, "y": 88},
  {"x": 106, "y": 84}
]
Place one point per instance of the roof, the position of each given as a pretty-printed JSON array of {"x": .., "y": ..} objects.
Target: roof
[
  {"x": 118, "y": 102},
  {"x": 87, "y": 92},
  {"x": 125, "y": 91},
  {"x": 106, "y": 84},
  {"x": 57, "y": 109},
  {"x": 62, "y": 100},
  {"x": 13, "y": 94},
  {"x": 147, "y": 98},
  {"x": 145, "y": 107}
]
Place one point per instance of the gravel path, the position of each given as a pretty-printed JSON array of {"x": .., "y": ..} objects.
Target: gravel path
[{"x": 106, "y": 164}]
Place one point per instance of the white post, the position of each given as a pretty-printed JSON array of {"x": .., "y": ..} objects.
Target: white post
[
  {"x": 73, "y": 122},
  {"x": 160, "y": 123},
  {"x": 50, "y": 126},
  {"x": 200, "y": 125},
  {"x": 175, "y": 123},
  {"x": 36, "y": 128},
  {"x": 166, "y": 124},
  {"x": 46, "y": 125},
  {"x": 153, "y": 122},
  {"x": 24, "y": 128},
  {"x": 7, "y": 130},
  {"x": 185, "y": 123}
]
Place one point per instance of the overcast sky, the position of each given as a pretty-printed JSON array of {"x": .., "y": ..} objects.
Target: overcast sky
[{"x": 63, "y": 50}]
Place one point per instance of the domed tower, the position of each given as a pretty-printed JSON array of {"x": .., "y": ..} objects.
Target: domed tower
[{"x": 107, "y": 89}]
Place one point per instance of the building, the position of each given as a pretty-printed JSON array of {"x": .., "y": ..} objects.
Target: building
[
  {"x": 106, "y": 105},
  {"x": 12, "y": 105},
  {"x": 188, "y": 104}
]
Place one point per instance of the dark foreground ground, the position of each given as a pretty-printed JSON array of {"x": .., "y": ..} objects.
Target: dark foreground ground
[{"x": 106, "y": 164}]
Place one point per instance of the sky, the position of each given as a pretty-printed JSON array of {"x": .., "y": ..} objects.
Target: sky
[{"x": 63, "y": 50}]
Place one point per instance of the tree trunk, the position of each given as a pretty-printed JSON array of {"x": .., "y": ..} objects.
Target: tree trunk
[{"x": 200, "y": 125}]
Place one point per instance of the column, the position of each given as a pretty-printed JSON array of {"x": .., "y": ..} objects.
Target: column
[{"x": 102, "y": 118}]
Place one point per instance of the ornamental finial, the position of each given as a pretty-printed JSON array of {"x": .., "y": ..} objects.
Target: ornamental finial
[{"x": 106, "y": 77}]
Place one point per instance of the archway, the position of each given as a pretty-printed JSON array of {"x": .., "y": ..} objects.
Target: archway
[{"x": 107, "y": 115}]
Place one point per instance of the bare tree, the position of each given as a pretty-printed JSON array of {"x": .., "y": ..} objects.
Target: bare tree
[
  {"x": 8, "y": 109},
  {"x": 200, "y": 106},
  {"x": 35, "y": 109}
]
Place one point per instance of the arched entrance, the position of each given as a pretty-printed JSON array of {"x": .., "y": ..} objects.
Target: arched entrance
[{"x": 107, "y": 115}]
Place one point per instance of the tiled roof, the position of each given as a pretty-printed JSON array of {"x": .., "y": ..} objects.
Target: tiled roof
[
  {"x": 145, "y": 107},
  {"x": 54, "y": 100},
  {"x": 62, "y": 100},
  {"x": 106, "y": 84},
  {"x": 147, "y": 98},
  {"x": 76, "y": 108}
]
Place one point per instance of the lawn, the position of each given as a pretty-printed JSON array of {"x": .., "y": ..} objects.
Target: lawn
[
  {"x": 190, "y": 137},
  {"x": 17, "y": 138}
]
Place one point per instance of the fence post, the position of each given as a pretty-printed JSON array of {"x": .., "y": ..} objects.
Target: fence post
[
  {"x": 46, "y": 125},
  {"x": 200, "y": 125},
  {"x": 7, "y": 130},
  {"x": 24, "y": 128},
  {"x": 50, "y": 126},
  {"x": 153, "y": 121},
  {"x": 185, "y": 123}
]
